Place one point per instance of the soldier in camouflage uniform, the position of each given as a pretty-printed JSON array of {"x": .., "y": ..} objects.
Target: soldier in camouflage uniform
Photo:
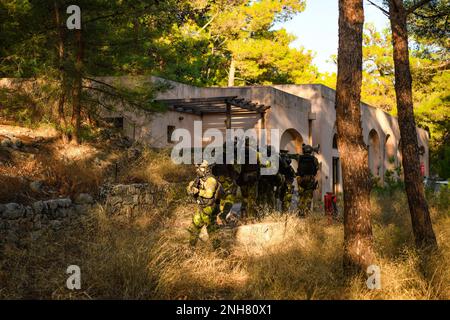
[
  {"x": 308, "y": 166},
  {"x": 227, "y": 175},
  {"x": 249, "y": 181},
  {"x": 287, "y": 187},
  {"x": 269, "y": 185},
  {"x": 205, "y": 190}
]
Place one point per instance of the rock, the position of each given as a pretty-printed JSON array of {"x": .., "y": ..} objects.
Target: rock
[
  {"x": 29, "y": 213},
  {"x": 36, "y": 186},
  {"x": 84, "y": 198},
  {"x": 80, "y": 208},
  {"x": 52, "y": 204},
  {"x": 6, "y": 143},
  {"x": 38, "y": 207},
  {"x": 64, "y": 203},
  {"x": 18, "y": 143},
  {"x": 2, "y": 208},
  {"x": 55, "y": 224},
  {"x": 14, "y": 211}
]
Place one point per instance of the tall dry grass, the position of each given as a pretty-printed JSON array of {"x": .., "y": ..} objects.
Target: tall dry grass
[{"x": 150, "y": 259}]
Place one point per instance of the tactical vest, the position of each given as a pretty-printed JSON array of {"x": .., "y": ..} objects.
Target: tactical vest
[
  {"x": 307, "y": 165},
  {"x": 219, "y": 193}
]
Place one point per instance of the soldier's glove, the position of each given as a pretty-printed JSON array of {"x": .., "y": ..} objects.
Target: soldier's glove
[{"x": 194, "y": 190}]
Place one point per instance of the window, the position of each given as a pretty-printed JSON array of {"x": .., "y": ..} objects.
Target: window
[
  {"x": 170, "y": 130},
  {"x": 335, "y": 141}
]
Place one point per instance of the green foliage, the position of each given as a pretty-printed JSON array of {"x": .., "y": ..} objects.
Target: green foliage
[
  {"x": 392, "y": 180},
  {"x": 200, "y": 50}
]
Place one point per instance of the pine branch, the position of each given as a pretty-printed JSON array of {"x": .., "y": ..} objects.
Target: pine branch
[
  {"x": 416, "y": 6},
  {"x": 384, "y": 11}
]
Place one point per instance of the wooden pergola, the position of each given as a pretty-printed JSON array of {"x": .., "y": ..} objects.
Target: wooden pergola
[{"x": 228, "y": 105}]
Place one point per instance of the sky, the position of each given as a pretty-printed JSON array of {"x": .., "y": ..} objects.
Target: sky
[{"x": 316, "y": 29}]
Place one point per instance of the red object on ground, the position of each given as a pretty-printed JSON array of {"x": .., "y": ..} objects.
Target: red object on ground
[
  {"x": 328, "y": 199},
  {"x": 422, "y": 169}
]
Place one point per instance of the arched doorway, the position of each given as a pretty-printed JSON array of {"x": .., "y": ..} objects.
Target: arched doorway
[
  {"x": 374, "y": 153},
  {"x": 391, "y": 154},
  {"x": 291, "y": 140}
]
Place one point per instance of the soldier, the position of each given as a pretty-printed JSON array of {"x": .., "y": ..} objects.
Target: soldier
[
  {"x": 248, "y": 181},
  {"x": 227, "y": 175},
  {"x": 206, "y": 190},
  {"x": 306, "y": 178},
  {"x": 287, "y": 187},
  {"x": 268, "y": 185}
]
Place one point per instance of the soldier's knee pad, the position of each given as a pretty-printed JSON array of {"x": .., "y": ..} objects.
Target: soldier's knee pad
[{"x": 197, "y": 220}]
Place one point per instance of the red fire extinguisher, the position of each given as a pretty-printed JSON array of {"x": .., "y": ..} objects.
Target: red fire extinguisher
[
  {"x": 330, "y": 205},
  {"x": 422, "y": 169}
]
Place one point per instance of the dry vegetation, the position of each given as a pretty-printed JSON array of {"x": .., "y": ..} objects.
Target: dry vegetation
[{"x": 149, "y": 258}]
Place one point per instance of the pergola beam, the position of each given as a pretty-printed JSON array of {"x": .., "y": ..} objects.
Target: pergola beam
[{"x": 227, "y": 105}]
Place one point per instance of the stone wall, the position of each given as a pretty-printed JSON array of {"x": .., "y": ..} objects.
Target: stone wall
[
  {"x": 131, "y": 200},
  {"x": 21, "y": 222}
]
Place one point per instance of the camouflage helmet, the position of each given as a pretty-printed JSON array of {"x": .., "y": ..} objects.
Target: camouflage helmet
[
  {"x": 307, "y": 149},
  {"x": 203, "y": 169}
]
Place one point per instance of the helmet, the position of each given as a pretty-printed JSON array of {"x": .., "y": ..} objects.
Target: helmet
[
  {"x": 203, "y": 169},
  {"x": 307, "y": 149}
]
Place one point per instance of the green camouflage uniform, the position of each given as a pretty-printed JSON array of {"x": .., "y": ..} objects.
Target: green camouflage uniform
[
  {"x": 287, "y": 187},
  {"x": 207, "y": 210},
  {"x": 226, "y": 175},
  {"x": 249, "y": 182},
  {"x": 306, "y": 186},
  {"x": 306, "y": 179}
]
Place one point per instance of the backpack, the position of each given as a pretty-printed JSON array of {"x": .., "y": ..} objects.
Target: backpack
[{"x": 307, "y": 165}]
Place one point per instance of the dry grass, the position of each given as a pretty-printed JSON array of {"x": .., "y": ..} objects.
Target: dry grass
[
  {"x": 150, "y": 258},
  {"x": 156, "y": 167}
]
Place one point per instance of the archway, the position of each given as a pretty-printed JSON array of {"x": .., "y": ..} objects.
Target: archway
[
  {"x": 391, "y": 154},
  {"x": 291, "y": 140},
  {"x": 374, "y": 153}
]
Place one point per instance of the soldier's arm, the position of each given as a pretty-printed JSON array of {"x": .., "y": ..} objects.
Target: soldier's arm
[
  {"x": 259, "y": 159},
  {"x": 191, "y": 189},
  {"x": 210, "y": 188}
]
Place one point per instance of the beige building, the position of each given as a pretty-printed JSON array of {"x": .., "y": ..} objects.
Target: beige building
[{"x": 302, "y": 113}]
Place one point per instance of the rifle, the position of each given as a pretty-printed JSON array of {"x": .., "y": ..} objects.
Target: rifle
[{"x": 196, "y": 184}]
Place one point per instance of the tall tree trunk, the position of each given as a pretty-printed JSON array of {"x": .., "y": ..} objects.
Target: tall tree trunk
[
  {"x": 76, "y": 94},
  {"x": 358, "y": 247},
  {"x": 62, "y": 77},
  {"x": 420, "y": 216},
  {"x": 231, "y": 73}
]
